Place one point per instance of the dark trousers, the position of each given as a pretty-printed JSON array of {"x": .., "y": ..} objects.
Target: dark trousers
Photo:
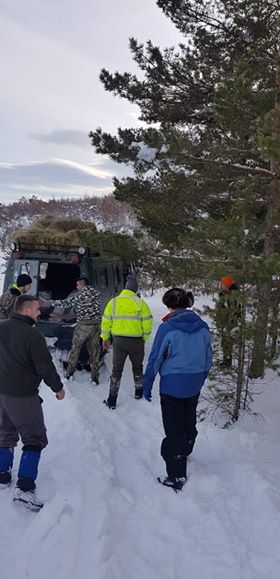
[
  {"x": 22, "y": 417},
  {"x": 133, "y": 348},
  {"x": 179, "y": 422}
]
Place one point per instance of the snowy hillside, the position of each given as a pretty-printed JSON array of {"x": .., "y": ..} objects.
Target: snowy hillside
[{"x": 105, "y": 515}]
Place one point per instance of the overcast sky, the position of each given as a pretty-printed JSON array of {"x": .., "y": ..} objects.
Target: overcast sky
[{"x": 51, "y": 53}]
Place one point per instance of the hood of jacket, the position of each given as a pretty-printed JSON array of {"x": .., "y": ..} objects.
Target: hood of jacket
[{"x": 186, "y": 321}]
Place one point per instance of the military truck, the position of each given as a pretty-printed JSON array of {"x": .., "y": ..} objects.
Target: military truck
[{"x": 54, "y": 270}]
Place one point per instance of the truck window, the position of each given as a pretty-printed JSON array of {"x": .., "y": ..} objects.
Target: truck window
[{"x": 102, "y": 277}]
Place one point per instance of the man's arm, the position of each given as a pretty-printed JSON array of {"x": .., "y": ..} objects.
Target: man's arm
[
  {"x": 106, "y": 322},
  {"x": 151, "y": 371},
  {"x": 146, "y": 320},
  {"x": 68, "y": 302},
  {"x": 43, "y": 363}
]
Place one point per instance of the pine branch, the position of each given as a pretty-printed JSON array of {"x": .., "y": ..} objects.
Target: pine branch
[{"x": 258, "y": 170}]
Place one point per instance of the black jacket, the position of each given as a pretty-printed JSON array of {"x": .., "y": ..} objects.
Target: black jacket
[{"x": 24, "y": 358}]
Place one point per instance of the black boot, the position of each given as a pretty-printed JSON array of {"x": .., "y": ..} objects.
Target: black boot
[
  {"x": 111, "y": 402},
  {"x": 95, "y": 379},
  {"x": 139, "y": 393},
  {"x": 227, "y": 362},
  {"x": 174, "y": 483},
  {"x": 5, "y": 477}
]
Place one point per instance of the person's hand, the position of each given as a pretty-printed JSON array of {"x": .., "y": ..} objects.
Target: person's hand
[
  {"x": 44, "y": 303},
  {"x": 147, "y": 395},
  {"x": 106, "y": 344},
  {"x": 60, "y": 395},
  {"x": 56, "y": 316}
]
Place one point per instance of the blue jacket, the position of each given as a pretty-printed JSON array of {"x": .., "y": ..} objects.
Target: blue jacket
[{"x": 181, "y": 353}]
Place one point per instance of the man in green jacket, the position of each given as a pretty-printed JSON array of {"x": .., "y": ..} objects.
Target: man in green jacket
[
  {"x": 127, "y": 322},
  {"x": 227, "y": 316},
  {"x": 7, "y": 300}
]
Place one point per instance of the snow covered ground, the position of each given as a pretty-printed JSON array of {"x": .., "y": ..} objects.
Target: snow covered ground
[{"x": 105, "y": 515}]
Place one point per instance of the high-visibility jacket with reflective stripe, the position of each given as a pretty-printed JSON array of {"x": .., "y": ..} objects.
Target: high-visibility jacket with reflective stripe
[{"x": 127, "y": 315}]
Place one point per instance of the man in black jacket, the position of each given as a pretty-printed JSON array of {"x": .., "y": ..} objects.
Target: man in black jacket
[{"x": 24, "y": 361}]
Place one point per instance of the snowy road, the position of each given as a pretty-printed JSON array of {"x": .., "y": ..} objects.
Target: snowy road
[{"x": 106, "y": 517}]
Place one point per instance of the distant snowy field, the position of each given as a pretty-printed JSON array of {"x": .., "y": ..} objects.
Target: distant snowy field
[{"x": 105, "y": 515}]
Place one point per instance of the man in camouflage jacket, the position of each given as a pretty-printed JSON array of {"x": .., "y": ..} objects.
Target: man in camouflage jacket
[
  {"x": 7, "y": 300},
  {"x": 87, "y": 305},
  {"x": 227, "y": 315}
]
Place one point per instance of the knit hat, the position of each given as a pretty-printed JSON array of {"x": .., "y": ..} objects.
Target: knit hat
[
  {"x": 23, "y": 279},
  {"x": 131, "y": 284},
  {"x": 227, "y": 281}
]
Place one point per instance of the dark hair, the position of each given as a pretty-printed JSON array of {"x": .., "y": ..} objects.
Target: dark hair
[
  {"x": 177, "y": 297},
  {"x": 84, "y": 279},
  {"x": 23, "y": 279},
  {"x": 22, "y": 301}
]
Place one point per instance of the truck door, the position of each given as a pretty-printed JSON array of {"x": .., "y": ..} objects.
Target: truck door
[{"x": 31, "y": 267}]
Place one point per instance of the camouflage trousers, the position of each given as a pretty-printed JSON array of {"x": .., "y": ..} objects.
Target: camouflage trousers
[
  {"x": 88, "y": 334},
  {"x": 227, "y": 344}
]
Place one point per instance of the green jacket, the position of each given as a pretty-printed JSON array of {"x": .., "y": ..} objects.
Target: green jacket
[
  {"x": 7, "y": 302},
  {"x": 227, "y": 311},
  {"x": 127, "y": 315}
]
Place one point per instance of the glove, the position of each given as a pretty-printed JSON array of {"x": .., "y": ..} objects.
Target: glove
[{"x": 147, "y": 394}]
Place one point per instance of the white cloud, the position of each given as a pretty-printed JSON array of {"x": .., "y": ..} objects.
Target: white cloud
[
  {"x": 72, "y": 137},
  {"x": 54, "y": 176}
]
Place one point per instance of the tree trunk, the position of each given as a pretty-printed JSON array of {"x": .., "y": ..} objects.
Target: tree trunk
[
  {"x": 274, "y": 322},
  {"x": 258, "y": 353}
]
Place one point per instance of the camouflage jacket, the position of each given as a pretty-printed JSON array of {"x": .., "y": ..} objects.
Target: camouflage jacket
[
  {"x": 7, "y": 302},
  {"x": 86, "y": 303},
  {"x": 227, "y": 311}
]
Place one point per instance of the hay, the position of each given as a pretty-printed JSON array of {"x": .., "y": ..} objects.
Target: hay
[{"x": 52, "y": 231}]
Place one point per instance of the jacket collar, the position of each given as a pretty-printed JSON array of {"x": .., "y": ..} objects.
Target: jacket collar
[
  {"x": 22, "y": 318},
  {"x": 14, "y": 290}
]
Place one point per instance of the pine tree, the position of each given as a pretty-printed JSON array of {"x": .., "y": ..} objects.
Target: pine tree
[{"x": 207, "y": 162}]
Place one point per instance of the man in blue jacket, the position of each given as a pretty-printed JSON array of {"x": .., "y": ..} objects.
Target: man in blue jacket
[{"x": 182, "y": 355}]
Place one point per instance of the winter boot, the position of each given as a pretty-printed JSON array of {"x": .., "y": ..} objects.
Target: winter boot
[
  {"x": 6, "y": 463},
  {"x": 226, "y": 363},
  {"x": 138, "y": 387},
  {"x": 138, "y": 393},
  {"x": 111, "y": 402},
  {"x": 95, "y": 378},
  {"x": 174, "y": 483},
  {"x": 28, "y": 498}
]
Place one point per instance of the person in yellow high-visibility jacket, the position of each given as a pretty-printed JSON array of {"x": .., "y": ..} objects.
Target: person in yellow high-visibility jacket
[{"x": 127, "y": 322}]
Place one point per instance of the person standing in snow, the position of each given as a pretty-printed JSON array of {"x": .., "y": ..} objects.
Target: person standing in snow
[
  {"x": 227, "y": 314},
  {"x": 182, "y": 355},
  {"x": 87, "y": 304},
  {"x": 7, "y": 300},
  {"x": 127, "y": 320},
  {"x": 24, "y": 361}
]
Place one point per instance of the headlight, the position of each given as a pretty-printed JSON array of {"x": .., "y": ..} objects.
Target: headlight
[
  {"x": 82, "y": 250},
  {"x": 13, "y": 246}
]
